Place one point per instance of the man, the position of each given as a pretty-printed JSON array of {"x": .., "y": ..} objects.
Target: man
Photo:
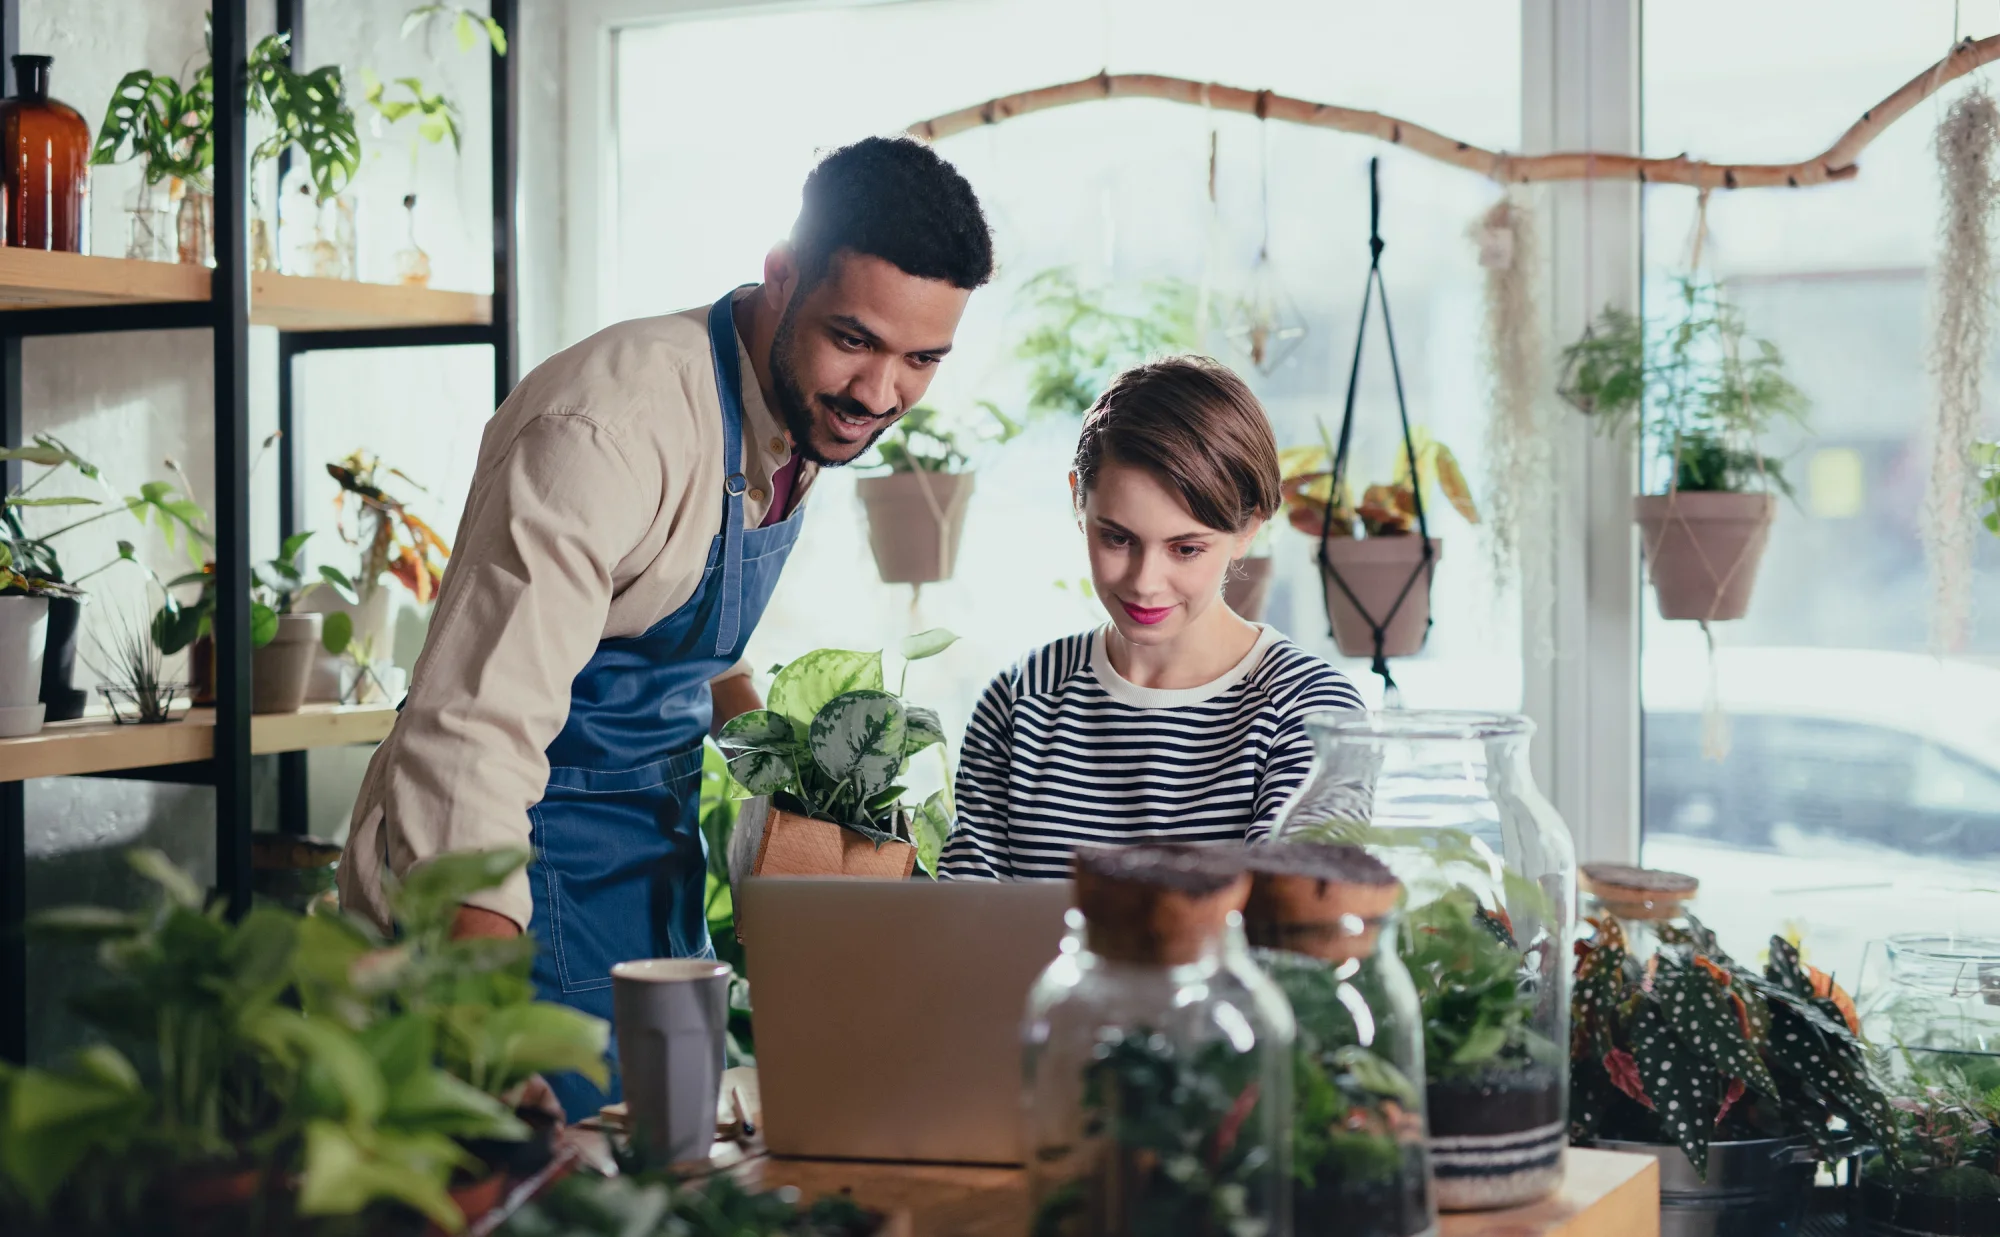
[{"x": 634, "y": 502}]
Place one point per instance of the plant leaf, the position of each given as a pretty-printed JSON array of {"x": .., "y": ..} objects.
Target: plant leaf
[
  {"x": 759, "y": 746},
  {"x": 923, "y": 729},
  {"x": 802, "y": 688},
  {"x": 263, "y": 624},
  {"x": 858, "y": 739},
  {"x": 157, "y": 868},
  {"x": 927, "y": 644},
  {"x": 336, "y": 632},
  {"x": 66, "y": 500}
]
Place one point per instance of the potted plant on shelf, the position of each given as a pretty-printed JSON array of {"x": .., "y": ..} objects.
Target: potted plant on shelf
[
  {"x": 1702, "y": 393},
  {"x": 280, "y": 1085},
  {"x": 916, "y": 510},
  {"x": 1735, "y": 1081},
  {"x": 1940, "y": 1176},
  {"x": 180, "y": 521},
  {"x": 1374, "y": 564},
  {"x": 393, "y": 544},
  {"x": 826, "y": 762},
  {"x": 282, "y": 639}
]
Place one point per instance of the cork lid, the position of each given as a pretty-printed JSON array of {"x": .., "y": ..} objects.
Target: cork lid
[
  {"x": 1638, "y": 893},
  {"x": 1312, "y": 898},
  {"x": 1158, "y": 905}
]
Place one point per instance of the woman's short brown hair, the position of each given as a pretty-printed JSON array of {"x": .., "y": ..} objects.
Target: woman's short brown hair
[{"x": 1192, "y": 423}]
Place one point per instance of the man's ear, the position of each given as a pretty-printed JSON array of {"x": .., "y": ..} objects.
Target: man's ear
[{"x": 781, "y": 278}]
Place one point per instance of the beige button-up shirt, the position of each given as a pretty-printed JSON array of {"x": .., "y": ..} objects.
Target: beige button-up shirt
[{"x": 598, "y": 490}]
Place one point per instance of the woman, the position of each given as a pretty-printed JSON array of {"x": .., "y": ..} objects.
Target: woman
[{"x": 1177, "y": 721}]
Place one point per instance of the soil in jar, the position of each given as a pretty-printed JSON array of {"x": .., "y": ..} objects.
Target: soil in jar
[
  {"x": 1495, "y": 1102},
  {"x": 1395, "y": 1203}
]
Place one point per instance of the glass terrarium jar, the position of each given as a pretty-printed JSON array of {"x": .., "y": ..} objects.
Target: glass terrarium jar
[
  {"x": 1157, "y": 1058},
  {"x": 1938, "y": 997},
  {"x": 1641, "y": 901},
  {"x": 1447, "y": 801},
  {"x": 1321, "y": 921}
]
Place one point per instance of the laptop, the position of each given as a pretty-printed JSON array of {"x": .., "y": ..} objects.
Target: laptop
[{"x": 888, "y": 1013}]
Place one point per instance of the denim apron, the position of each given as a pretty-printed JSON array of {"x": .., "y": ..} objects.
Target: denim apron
[{"x": 620, "y": 864}]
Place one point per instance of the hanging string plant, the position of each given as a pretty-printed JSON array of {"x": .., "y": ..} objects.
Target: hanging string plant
[
  {"x": 1967, "y": 140},
  {"x": 1266, "y": 326},
  {"x": 1517, "y": 448}
]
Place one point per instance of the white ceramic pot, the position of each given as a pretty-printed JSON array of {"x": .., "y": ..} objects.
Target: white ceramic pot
[{"x": 24, "y": 635}]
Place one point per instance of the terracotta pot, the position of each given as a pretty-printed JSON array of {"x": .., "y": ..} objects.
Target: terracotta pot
[
  {"x": 201, "y": 672},
  {"x": 915, "y": 520},
  {"x": 279, "y": 670},
  {"x": 793, "y": 845},
  {"x": 476, "y": 1198},
  {"x": 1247, "y": 586},
  {"x": 1702, "y": 550},
  {"x": 1377, "y": 570}
]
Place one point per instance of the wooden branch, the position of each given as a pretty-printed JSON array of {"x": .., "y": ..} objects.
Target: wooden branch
[{"x": 1836, "y": 163}]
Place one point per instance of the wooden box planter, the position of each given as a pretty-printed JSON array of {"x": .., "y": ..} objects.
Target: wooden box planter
[
  {"x": 1376, "y": 570},
  {"x": 915, "y": 520},
  {"x": 794, "y": 845},
  {"x": 1702, "y": 550}
]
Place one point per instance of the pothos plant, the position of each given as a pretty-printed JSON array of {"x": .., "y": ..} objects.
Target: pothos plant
[
  {"x": 1385, "y": 510},
  {"x": 835, "y": 746},
  {"x": 925, "y": 440},
  {"x": 1700, "y": 389},
  {"x": 1689, "y": 1047}
]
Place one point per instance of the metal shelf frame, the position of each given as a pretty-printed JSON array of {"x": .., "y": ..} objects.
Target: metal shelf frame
[{"x": 226, "y": 315}]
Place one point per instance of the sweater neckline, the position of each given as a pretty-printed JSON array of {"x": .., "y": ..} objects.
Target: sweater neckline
[{"x": 1123, "y": 690}]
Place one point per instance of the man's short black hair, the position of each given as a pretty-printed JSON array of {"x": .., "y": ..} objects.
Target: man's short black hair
[{"x": 893, "y": 199}]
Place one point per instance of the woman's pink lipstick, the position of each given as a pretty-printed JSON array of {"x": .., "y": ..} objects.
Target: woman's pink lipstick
[{"x": 1141, "y": 614}]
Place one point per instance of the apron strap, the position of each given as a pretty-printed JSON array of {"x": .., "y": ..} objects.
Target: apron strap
[{"x": 729, "y": 385}]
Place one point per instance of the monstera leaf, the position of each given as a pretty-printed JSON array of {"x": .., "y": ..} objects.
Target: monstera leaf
[
  {"x": 858, "y": 738},
  {"x": 760, "y": 746},
  {"x": 805, "y": 686}
]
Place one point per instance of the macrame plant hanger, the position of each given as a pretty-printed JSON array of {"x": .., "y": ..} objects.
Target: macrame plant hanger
[{"x": 1373, "y": 288}]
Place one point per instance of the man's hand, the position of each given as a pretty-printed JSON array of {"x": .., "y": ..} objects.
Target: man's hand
[
  {"x": 474, "y": 923},
  {"x": 734, "y": 696}
]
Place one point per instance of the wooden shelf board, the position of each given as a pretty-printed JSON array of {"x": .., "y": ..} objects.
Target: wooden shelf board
[
  {"x": 299, "y": 303},
  {"x": 41, "y": 279},
  {"x": 98, "y": 745}
]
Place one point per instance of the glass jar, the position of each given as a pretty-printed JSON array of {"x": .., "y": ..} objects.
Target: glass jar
[
  {"x": 1642, "y": 902},
  {"x": 1321, "y": 922},
  {"x": 45, "y": 181},
  {"x": 1157, "y": 1057},
  {"x": 1448, "y": 802},
  {"x": 1938, "y": 997}
]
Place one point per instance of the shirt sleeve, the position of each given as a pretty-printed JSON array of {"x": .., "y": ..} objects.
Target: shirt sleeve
[
  {"x": 1290, "y": 760},
  {"x": 978, "y": 847},
  {"x": 522, "y": 608}
]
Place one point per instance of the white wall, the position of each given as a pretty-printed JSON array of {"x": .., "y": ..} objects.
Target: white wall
[{"x": 129, "y": 401}]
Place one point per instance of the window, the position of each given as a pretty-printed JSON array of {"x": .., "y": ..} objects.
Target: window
[
  {"x": 708, "y": 175},
  {"x": 1862, "y": 773}
]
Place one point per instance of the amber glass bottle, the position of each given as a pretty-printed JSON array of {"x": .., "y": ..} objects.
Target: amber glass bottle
[{"x": 46, "y": 181}]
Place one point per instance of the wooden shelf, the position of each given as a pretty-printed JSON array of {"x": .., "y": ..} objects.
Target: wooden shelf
[
  {"x": 39, "y": 279},
  {"x": 298, "y": 303},
  {"x": 98, "y": 745}
]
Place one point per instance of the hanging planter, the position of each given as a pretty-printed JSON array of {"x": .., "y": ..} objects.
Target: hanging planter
[
  {"x": 1379, "y": 579},
  {"x": 1702, "y": 393},
  {"x": 916, "y": 512}
]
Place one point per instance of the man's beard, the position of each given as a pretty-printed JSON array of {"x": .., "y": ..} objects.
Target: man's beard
[{"x": 797, "y": 410}]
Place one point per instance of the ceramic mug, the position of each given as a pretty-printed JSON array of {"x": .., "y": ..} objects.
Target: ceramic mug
[{"x": 671, "y": 1015}]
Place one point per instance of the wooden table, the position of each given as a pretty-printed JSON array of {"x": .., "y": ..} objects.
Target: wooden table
[{"x": 1606, "y": 1194}]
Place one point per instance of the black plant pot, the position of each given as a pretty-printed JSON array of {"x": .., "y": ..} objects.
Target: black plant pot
[
  {"x": 1887, "y": 1213},
  {"x": 61, "y": 701}
]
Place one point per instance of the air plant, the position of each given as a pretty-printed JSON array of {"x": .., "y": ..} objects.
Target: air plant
[
  {"x": 391, "y": 540},
  {"x": 133, "y": 672}
]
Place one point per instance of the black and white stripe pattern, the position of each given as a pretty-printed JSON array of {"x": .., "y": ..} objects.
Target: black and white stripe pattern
[{"x": 1063, "y": 752}]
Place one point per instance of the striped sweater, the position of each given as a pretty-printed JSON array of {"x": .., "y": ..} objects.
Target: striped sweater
[{"x": 1063, "y": 751}]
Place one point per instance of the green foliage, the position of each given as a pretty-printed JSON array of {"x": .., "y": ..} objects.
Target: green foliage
[
  {"x": 719, "y": 793},
  {"x": 1700, "y": 389},
  {"x": 168, "y": 127},
  {"x": 654, "y": 1204},
  {"x": 466, "y": 23},
  {"x": 1986, "y": 458},
  {"x": 279, "y": 586},
  {"x": 1078, "y": 342},
  {"x": 1473, "y": 989},
  {"x": 1689, "y": 1047},
  {"x": 1947, "y": 1130},
  {"x": 32, "y": 560},
  {"x": 1180, "y": 1142},
  {"x": 248, "y": 1065},
  {"x": 834, "y": 745},
  {"x": 924, "y": 441}
]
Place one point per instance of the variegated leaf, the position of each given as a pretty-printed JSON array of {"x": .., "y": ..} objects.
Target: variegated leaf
[
  {"x": 758, "y": 730},
  {"x": 927, "y": 644},
  {"x": 923, "y": 729},
  {"x": 1595, "y": 999},
  {"x": 858, "y": 739},
  {"x": 1704, "y": 1020},
  {"x": 933, "y": 824},
  {"x": 803, "y": 687},
  {"x": 761, "y": 749},
  {"x": 1683, "y": 1092}
]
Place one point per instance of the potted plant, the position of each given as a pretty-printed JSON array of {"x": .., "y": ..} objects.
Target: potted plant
[
  {"x": 282, "y": 639},
  {"x": 916, "y": 510},
  {"x": 1371, "y": 562},
  {"x": 392, "y": 544},
  {"x": 1702, "y": 393},
  {"x": 1940, "y": 1176},
  {"x": 826, "y": 762},
  {"x": 657, "y": 1203},
  {"x": 275, "y": 1089},
  {"x": 179, "y": 520},
  {"x": 1736, "y": 1081}
]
